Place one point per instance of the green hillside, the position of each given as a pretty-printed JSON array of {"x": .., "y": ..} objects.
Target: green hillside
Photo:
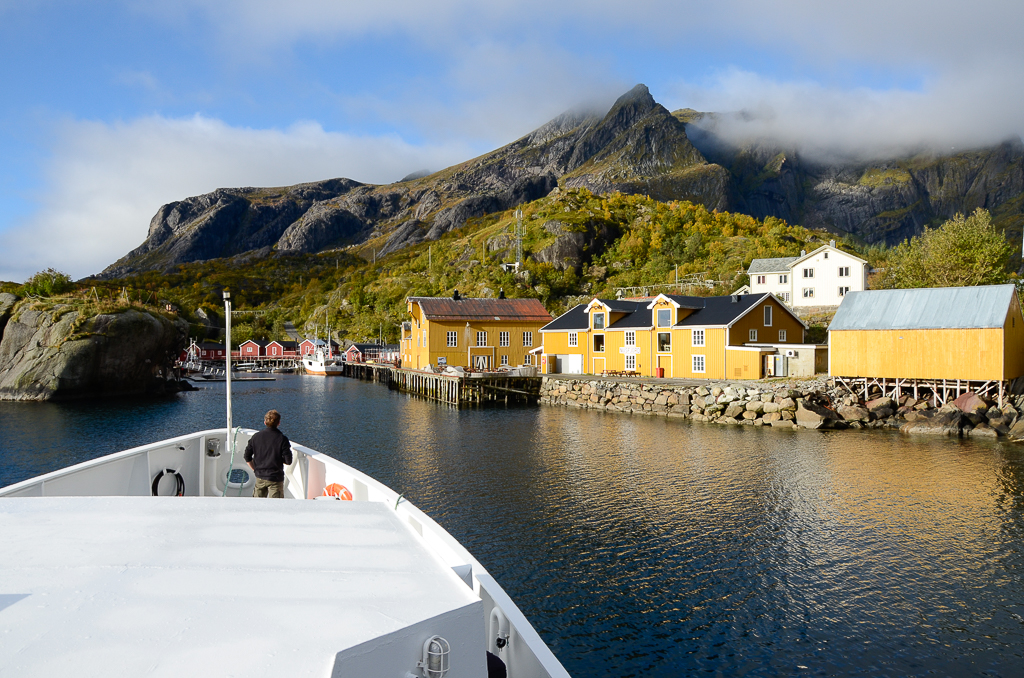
[{"x": 577, "y": 244}]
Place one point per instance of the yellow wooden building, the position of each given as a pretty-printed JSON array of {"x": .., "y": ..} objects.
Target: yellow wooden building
[
  {"x": 671, "y": 335},
  {"x": 484, "y": 334},
  {"x": 971, "y": 334}
]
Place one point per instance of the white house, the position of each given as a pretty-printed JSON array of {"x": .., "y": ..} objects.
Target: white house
[{"x": 819, "y": 278}]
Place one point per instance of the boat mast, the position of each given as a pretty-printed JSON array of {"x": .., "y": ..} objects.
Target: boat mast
[{"x": 227, "y": 371}]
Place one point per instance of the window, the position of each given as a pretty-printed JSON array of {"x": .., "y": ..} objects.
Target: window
[
  {"x": 630, "y": 338},
  {"x": 599, "y": 321},
  {"x": 664, "y": 342},
  {"x": 782, "y": 335},
  {"x": 826, "y": 255},
  {"x": 424, "y": 336},
  {"x": 785, "y": 297},
  {"x": 783, "y": 279},
  {"x": 631, "y": 362},
  {"x": 844, "y": 271},
  {"x": 808, "y": 272},
  {"x": 453, "y": 339},
  {"x": 698, "y": 364},
  {"x": 698, "y": 338},
  {"x": 664, "y": 317},
  {"x": 598, "y": 343},
  {"x": 504, "y": 360},
  {"x": 762, "y": 279},
  {"x": 768, "y": 316},
  {"x": 843, "y": 291},
  {"x": 502, "y": 338},
  {"x": 753, "y": 335},
  {"x": 574, "y": 339},
  {"x": 248, "y": 349},
  {"x": 481, "y": 338},
  {"x": 527, "y": 338},
  {"x": 808, "y": 293}
]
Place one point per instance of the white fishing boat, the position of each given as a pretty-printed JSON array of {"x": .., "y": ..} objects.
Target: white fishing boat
[
  {"x": 156, "y": 561},
  {"x": 319, "y": 363}
]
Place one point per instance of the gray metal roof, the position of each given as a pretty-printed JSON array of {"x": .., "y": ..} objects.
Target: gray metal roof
[
  {"x": 923, "y": 309},
  {"x": 777, "y": 265}
]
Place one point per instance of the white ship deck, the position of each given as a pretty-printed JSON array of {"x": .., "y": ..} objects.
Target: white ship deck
[{"x": 172, "y": 586}]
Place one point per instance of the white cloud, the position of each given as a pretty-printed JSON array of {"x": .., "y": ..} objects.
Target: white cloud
[
  {"x": 947, "y": 114},
  {"x": 105, "y": 182}
]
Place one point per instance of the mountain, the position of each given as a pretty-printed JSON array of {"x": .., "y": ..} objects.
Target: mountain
[
  {"x": 876, "y": 202},
  {"x": 635, "y": 147}
]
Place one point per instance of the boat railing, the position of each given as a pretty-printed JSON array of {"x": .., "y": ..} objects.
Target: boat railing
[{"x": 204, "y": 464}]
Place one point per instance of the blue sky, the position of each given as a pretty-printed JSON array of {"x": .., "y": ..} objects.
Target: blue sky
[{"x": 110, "y": 109}]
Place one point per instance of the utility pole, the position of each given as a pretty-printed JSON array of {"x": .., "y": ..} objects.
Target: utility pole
[{"x": 519, "y": 238}]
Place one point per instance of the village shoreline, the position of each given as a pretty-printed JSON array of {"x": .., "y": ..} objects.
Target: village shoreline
[{"x": 815, "y": 403}]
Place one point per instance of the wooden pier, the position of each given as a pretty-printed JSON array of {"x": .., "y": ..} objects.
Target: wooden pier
[{"x": 448, "y": 388}]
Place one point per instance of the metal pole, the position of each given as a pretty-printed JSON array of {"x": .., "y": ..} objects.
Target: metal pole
[{"x": 227, "y": 371}]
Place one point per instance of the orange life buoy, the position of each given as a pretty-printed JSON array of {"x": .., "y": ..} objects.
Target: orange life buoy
[{"x": 338, "y": 492}]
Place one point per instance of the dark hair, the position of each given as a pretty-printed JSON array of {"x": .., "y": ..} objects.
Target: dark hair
[{"x": 272, "y": 418}]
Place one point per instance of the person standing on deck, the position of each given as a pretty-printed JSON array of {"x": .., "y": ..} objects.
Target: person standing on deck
[{"x": 267, "y": 454}]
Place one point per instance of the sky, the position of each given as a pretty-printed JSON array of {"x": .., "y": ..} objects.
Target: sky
[{"x": 111, "y": 108}]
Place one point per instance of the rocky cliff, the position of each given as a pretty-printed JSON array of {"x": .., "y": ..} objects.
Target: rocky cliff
[
  {"x": 878, "y": 202},
  {"x": 636, "y": 146},
  {"x": 56, "y": 352}
]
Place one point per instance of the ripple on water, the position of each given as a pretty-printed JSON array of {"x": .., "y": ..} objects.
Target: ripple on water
[{"x": 644, "y": 546}]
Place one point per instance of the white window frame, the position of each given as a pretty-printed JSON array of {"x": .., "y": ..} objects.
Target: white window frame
[
  {"x": 595, "y": 318},
  {"x": 784, "y": 279},
  {"x": 453, "y": 339},
  {"x": 630, "y": 339},
  {"x": 503, "y": 338},
  {"x": 504, "y": 359},
  {"x": 657, "y": 341},
  {"x": 668, "y": 317},
  {"x": 808, "y": 272},
  {"x": 808, "y": 293},
  {"x": 843, "y": 290},
  {"x": 768, "y": 315},
  {"x": 826, "y": 255},
  {"x": 574, "y": 339},
  {"x": 785, "y": 297},
  {"x": 844, "y": 271},
  {"x": 604, "y": 344},
  {"x": 698, "y": 365},
  {"x": 481, "y": 337},
  {"x": 697, "y": 338},
  {"x": 630, "y": 363},
  {"x": 782, "y": 335},
  {"x": 752, "y": 334},
  {"x": 527, "y": 338},
  {"x": 761, "y": 280}
]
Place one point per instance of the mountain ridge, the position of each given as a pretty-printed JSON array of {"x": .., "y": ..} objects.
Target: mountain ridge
[{"x": 636, "y": 147}]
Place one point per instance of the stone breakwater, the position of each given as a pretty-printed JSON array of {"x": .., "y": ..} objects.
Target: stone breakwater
[{"x": 814, "y": 404}]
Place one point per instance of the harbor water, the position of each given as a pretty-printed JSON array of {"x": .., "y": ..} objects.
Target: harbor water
[{"x": 646, "y": 546}]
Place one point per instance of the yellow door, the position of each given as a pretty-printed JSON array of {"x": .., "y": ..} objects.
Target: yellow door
[{"x": 598, "y": 365}]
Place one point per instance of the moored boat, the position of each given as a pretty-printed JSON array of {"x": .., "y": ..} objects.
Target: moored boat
[{"x": 320, "y": 364}]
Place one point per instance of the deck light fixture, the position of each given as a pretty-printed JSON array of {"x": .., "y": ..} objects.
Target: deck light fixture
[{"x": 436, "y": 660}]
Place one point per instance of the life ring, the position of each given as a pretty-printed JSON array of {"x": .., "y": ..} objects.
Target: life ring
[
  {"x": 338, "y": 492},
  {"x": 179, "y": 485}
]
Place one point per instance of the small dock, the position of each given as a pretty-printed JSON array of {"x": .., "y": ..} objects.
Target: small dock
[{"x": 450, "y": 389}]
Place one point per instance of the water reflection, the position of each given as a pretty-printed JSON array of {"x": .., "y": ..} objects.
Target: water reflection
[{"x": 642, "y": 546}]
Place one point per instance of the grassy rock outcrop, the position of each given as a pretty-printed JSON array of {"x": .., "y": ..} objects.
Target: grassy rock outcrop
[{"x": 61, "y": 351}]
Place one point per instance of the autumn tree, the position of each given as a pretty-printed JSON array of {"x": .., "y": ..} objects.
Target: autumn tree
[{"x": 962, "y": 252}]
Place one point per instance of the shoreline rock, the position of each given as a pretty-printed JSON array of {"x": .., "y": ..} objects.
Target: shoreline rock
[{"x": 814, "y": 404}]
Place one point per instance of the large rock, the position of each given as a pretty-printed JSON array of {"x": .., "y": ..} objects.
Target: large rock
[
  {"x": 809, "y": 415},
  {"x": 1016, "y": 433},
  {"x": 854, "y": 413},
  {"x": 880, "y": 403},
  {"x": 52, "y": 352},
  {"x": 946, "y": 422},
  {"x": 970, "y": 403}
]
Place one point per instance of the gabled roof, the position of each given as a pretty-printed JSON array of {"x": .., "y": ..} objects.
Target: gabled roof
[
  {"x": 285, "y": 343},
  {"x": 925, "y": 309},
  {"x": 446, "y": 308},
  {"x": 777, "y": 265},
  {"x": 826, "y": 247},
  {"x": 709, "y": 312},
  {"x": 262, "y": 343}
]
